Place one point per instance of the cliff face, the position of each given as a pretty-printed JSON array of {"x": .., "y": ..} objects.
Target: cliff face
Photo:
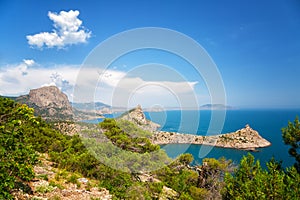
[
  {"x": 48, "y": 102},
  {"x": 138, "y": 117}
]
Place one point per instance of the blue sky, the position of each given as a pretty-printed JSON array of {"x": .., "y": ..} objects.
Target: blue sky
[{"x": 255, "y": 45}]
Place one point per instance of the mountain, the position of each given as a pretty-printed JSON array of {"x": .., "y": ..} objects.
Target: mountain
[
  {"x": 53, "y": 105},
  {"x": 48, "y": 102},
  {"x": 92, "y": 107}
]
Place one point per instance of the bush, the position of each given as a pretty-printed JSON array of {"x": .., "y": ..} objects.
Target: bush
[
  {"x": 17, "y": 157},
  {"x": 250, "y": 181}
]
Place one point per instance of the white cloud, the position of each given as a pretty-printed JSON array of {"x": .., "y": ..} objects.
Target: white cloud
[
  {"x": 68, "y": 30},
  {"x": 19, "y": 78},
  {"x": 29, "y": 62},
  {"x": 111, "y": 87},
  {"x": 58, "y": 80},
  {"x": 117, "y": 89}
]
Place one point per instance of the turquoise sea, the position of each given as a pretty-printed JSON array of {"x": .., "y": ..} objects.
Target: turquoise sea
[{"x": 267, "y": 122}]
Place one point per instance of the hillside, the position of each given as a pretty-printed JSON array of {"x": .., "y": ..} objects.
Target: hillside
[{"x": 38, "y": 162}]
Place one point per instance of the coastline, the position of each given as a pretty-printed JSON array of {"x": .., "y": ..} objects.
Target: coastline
[{"x": 243, "y": 139}]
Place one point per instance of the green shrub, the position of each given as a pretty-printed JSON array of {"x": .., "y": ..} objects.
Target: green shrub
[
  {"x": 17, "y": 156},
  {"x": 44, "y": 189}
]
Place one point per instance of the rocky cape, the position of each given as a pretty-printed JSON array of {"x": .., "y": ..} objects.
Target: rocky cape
[{"x": 244, "y": 139}]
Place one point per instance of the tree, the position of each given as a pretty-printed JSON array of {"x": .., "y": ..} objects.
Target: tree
[
  {"x": 17, "y": 156},
  {"x": 186, "y": 159},
  {"x": 251, "y": 181},
  {"x": 291, "y": 136}
]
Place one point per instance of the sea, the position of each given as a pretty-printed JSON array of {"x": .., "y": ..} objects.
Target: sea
[{"x": 268, "y": 123}]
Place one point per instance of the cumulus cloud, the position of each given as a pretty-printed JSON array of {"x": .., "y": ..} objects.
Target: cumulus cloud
[
  {"x": 120, "y": 89},
  {"x": 113, "y": 87},
  {"x": 130, "y": 91},
  {"x": 29, "y": 62},
  {"x": 58, "y": 80},
  {"x": 68, "y": 30},
  {"x": 18, "y": 79}
]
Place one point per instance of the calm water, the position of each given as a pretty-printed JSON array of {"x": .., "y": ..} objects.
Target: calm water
[{"x": 267, "y": 122}]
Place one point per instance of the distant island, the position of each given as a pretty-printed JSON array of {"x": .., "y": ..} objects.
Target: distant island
[{"x": 215, "y": 107}]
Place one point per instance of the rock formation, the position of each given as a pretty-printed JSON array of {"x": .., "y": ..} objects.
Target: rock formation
[
  {"x": 137, "y": 116},
  {"x": 245, "y": 138},
  {"x": 48, "y": 102}
]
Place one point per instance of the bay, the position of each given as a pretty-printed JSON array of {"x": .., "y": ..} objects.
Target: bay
[{"x": 267, "y": 122}]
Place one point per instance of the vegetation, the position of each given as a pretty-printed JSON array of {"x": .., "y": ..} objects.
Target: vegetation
[
  {"x": 128, "y": 136},
  {"x": 17, "y": 156},
  {"x": 250, "y": 181},
  {"x": 23, "y": 137},
  {"x": 198, "y": 182},
  {"x": 291, "y": 136}
]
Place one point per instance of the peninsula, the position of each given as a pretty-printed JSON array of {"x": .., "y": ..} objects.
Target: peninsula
[{"x": 243, "y": 139}]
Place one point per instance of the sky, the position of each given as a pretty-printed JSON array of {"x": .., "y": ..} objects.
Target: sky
[{"x": 254, "y": 45}]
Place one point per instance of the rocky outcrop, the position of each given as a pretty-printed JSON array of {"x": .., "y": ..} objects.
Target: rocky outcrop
[
  {"x": 53, "y": 183},
  {"x": 138, "y": 117},
  {"x": 48, "y": 102},
  {"x": 246, "y": 138}
]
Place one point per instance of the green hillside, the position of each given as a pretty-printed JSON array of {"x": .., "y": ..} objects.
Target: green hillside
[{"x": 26, "y": 141}]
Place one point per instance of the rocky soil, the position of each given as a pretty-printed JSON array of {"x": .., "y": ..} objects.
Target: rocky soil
[{"x": 52, "y": 184}]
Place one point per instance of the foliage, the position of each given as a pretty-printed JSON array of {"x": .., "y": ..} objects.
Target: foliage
[
  {"x": 128, "y": 136},
  {"x": 17, "y": 156},
  {"x": 211, "y": 175},
  {"x": 197, "y": 182},
  {"x": 250, "y": 181},
  {"x": 22, "y": 135},
  {"x": 186, "y": 159},
  {"x": 291, "y": 136},
  {"x": 44, "y": 189}
]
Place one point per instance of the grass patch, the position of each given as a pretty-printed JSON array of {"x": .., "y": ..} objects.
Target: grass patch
[{"x": 44, "y": 189}]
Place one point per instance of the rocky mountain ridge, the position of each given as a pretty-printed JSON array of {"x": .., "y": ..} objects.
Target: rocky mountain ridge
[
  {"x": 53, "y": 105},
  {"x": 49, "y": 103}
]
